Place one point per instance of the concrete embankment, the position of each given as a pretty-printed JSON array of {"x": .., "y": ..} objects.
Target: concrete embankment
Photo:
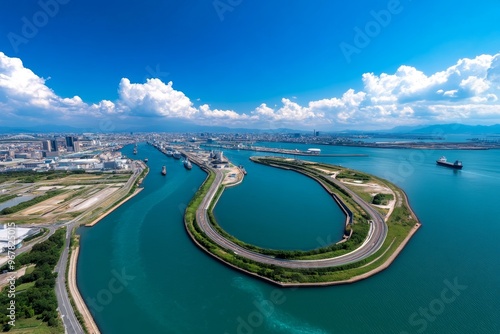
[
  {"x": 138, "y": 190},
  {"x": 88, "y": 320},
  {"x": 287, "y": 151},
  {"x": 110, "y": 210}
]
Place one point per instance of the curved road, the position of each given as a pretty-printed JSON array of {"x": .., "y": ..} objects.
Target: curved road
[{"x": 375, "y": 239}]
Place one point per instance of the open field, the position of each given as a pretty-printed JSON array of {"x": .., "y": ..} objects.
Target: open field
[
  {"x": 77, "y": 194},
  {"x": 33, "y": 326},
  {"x": 95, "y": 199}
]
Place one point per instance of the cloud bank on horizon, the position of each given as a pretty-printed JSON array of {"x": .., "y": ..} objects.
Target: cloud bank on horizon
[{"x": 467, "y": 92}]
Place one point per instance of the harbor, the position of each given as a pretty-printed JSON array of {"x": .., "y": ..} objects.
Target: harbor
[
  {"x": 206, "y": 160},
  {"x": 143, "y": 232},
  {"x": 316, "y": 152}
]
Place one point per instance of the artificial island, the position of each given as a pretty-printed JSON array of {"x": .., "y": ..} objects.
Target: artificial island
[{"x": 379, "y": 222}]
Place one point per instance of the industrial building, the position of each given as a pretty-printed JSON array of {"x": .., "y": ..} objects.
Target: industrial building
[{"x": 14, "y": 236}]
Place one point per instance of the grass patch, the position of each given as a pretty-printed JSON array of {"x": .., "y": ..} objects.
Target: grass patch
[
  {"x": 382, "y": 199},
  {"x": 34, "y": 326},
  {"x": 70, "y": 215},
  {"x": 24, "y": 286},
  {"x": 352, "y": 175},
  {"x": 359, "y": 191},
  {"x": 39, "y": 234},
  {"x": 32, "y": 176}
]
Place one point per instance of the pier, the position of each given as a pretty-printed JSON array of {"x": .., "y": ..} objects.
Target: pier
[{"x": 284, "y": 151}]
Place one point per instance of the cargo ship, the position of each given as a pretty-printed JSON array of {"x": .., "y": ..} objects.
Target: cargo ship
[
  {"x": 455, "y": 165},
  {"x": 177, "y": 154},
  {"x": 164, "y": 170},
  {"x": 187, "y": 164}
]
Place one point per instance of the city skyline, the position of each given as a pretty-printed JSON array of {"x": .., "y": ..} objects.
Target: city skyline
[{"x": 56, "y": 71}]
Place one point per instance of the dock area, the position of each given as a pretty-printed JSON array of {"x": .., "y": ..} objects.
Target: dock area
[
  {"x": 310, "y": 153},
  {"x": 215, "y": 160}
]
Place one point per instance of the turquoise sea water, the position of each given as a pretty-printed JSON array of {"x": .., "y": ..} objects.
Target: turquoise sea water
[{"x": 167, "y": 285}]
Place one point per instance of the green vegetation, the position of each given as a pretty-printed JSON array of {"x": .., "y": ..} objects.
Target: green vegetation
[
  {"x": 34, "y": 326},
  {"x": 24, "y": 286},
  {"x": 357, "y": 176},
  {"x": 5, "y": 198},
  {"x": 402, "y": 215},
  {"x": 198, "y": 197},
  {"x": 382, "y": 199},
  {"x": 360, "y": 192},
  {"x": 36, "y": 297},
  {"x": 32, "y": 176},
  {"x": 330, "y": 168},
  {"x": 39, "y": 234},
  {"x": 400, "y": 224},
  {"x": 36, "y": 200}
]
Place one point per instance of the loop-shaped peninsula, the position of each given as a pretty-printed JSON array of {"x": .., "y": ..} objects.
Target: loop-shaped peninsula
[{"x": 379, "y": 222}]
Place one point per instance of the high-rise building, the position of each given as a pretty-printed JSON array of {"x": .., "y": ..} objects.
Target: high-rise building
[
  {"x": 72, "y": 144},
  {"x": 70, "y": 141},
  {"x": 53, "y": 145},
  {"x": 46, "y": 145}
]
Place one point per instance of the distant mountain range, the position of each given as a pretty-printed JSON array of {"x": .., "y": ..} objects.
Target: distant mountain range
[{"x": 187, "y": 127}]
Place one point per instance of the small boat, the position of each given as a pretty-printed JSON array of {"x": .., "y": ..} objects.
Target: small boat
[
  {"x": 187, "y": 164},
  {"x": 146, "y": 160},
  {"x": 455, "y": 165},
  {"x": 164, "y": 170},
  {"x": 135, "y": 150},
  {"x": 243, "y": 170}
]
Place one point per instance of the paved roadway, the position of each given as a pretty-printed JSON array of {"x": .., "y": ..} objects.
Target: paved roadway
[
  {"x": 70, "y": 322},
  {"x": 375, "y": 239}
]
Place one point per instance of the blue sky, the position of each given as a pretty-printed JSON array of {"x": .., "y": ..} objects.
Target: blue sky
[{"x": 240, "y": 63}]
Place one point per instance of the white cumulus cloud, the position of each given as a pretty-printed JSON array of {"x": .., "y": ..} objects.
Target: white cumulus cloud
[{"x": 464, "y": 92}]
